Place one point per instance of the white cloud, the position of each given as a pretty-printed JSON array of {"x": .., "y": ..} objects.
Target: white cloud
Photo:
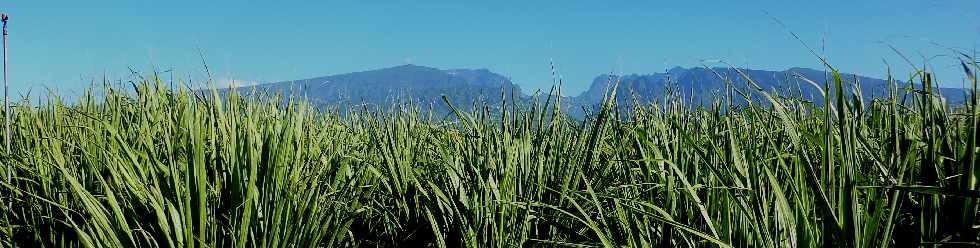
[{"x": 231, "y": 82}]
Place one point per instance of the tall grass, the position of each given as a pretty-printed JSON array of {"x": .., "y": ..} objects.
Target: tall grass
[{"x": 172, "y": 168}]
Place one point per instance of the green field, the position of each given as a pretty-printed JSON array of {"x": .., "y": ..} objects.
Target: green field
[{"x": 148, "y": 166}]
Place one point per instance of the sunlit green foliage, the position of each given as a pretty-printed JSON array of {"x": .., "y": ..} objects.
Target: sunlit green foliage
[{"x": 157, "y": 167}]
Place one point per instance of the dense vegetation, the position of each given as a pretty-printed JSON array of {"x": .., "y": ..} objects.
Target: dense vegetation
[{"x": 157, "y": 167}]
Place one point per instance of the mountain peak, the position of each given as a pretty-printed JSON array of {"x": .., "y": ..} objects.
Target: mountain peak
[
  {"x": 700, "y": 82},
  {"x": 407, "y": 67},
  {"x": 404, "y": 82}
]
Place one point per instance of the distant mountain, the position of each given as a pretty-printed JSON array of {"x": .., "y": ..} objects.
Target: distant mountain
[
  {"x": 702, "y": 85},
  {"x": 425, "y": 85},
  {"x": 418, "y": 84}
]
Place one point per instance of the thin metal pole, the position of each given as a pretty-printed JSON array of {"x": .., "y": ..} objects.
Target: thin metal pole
[{"x": 6, "y": 102}]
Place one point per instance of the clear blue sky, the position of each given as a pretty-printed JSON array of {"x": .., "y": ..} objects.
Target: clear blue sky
[{"x": 66, "y": 45}]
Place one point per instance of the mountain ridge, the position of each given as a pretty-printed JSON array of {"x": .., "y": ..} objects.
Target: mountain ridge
[
  {"x": 685, "y": 80},
  {"x": 426, "y": 85},
  {"x": 408, "y": 82}
]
